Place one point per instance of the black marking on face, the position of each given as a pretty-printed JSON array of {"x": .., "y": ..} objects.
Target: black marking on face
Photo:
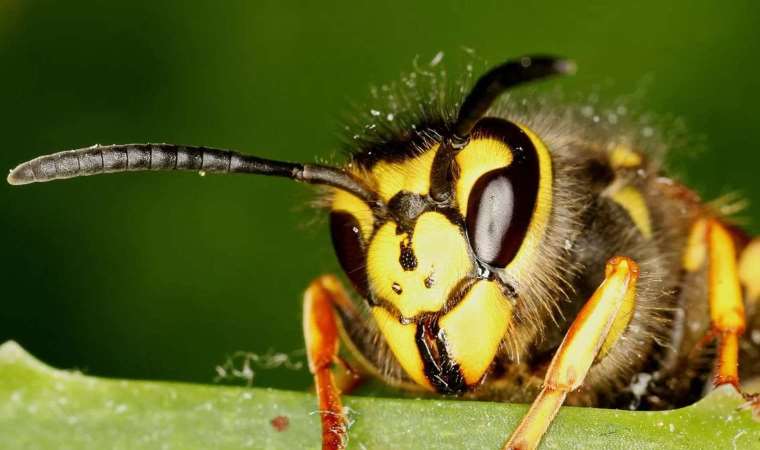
[
  {"x": 457, "y": 293},
  {"x": 440, "y": 370},
  {"x": 397, "y": 288},
  {"x": 407, "y": 259},
  {"x": 430, "y": 280}
]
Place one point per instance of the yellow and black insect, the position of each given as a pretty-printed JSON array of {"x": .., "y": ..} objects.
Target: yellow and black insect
[{"x": 506, "y": 255}]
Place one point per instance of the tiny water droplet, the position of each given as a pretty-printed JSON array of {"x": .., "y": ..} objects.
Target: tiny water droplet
[{"x": 436, "y": 59}]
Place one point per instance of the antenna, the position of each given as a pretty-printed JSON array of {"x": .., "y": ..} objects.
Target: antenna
[{"x": 100, "y": 159}]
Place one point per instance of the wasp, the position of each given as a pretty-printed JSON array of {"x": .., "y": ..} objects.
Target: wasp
[{"x": 496, "y": 253}]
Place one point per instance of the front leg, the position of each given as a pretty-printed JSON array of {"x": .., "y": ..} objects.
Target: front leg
[
  {"x": 329, "y": 318},
  {"x": 609, "y": 308},
  {"x": 320, "y": 330}
]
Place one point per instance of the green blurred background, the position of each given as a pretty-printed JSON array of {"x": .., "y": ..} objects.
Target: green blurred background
[{"x": 163, "y": 276}]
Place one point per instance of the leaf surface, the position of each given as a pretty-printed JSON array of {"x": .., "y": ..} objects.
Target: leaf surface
[{"x": 44, "y": 408}]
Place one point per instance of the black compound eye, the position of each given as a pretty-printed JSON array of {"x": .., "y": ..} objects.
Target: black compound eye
[
  {"x": 501, "y": 203},
  {"x": 350, "y": 249},
  {"x": 490, "y": 211},
  {"x": 499, "y": 212}
]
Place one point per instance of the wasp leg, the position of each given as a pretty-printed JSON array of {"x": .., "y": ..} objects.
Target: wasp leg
[
  {"x": 749, "y": 277},
  {"x": 749, "y": 271},
  {"x": 580, "y": 347},
  {"x": 320, "y": 327},
  {"x": 725, "y": 300}
]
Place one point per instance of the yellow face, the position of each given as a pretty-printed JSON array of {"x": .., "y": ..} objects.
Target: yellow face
[{"x": 434, "y": 274}]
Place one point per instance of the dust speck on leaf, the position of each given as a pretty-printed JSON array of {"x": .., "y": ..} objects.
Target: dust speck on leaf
[{"x": 280, "y": 423}]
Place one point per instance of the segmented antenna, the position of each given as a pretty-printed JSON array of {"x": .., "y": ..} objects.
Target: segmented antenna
[
  {"x": 475, "y": 106},
  {"x": 168, "y": 157}
]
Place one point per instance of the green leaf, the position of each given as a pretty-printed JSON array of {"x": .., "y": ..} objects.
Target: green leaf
[{"x": 45, "y": 408}]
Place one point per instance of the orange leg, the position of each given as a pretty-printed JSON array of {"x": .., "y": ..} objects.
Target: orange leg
[
  {"x": 582, "y": 344},
  {"x": 749, "y": 277},
  {"x": 749, "y": 271},
  {"x": 725, "y": 298},
  {"x": 320, "y": 327}
]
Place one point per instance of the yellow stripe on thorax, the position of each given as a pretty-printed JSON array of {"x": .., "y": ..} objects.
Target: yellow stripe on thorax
[
  {"x": 695, "y": 254},
  {"x": 622, "y": 157},
  {"x": 633, "y": 202}
]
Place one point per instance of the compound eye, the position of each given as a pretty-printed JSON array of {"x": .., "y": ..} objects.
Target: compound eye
[
  {"x": 350, "y": 249},
  {"x": 499, "y": 210}
]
